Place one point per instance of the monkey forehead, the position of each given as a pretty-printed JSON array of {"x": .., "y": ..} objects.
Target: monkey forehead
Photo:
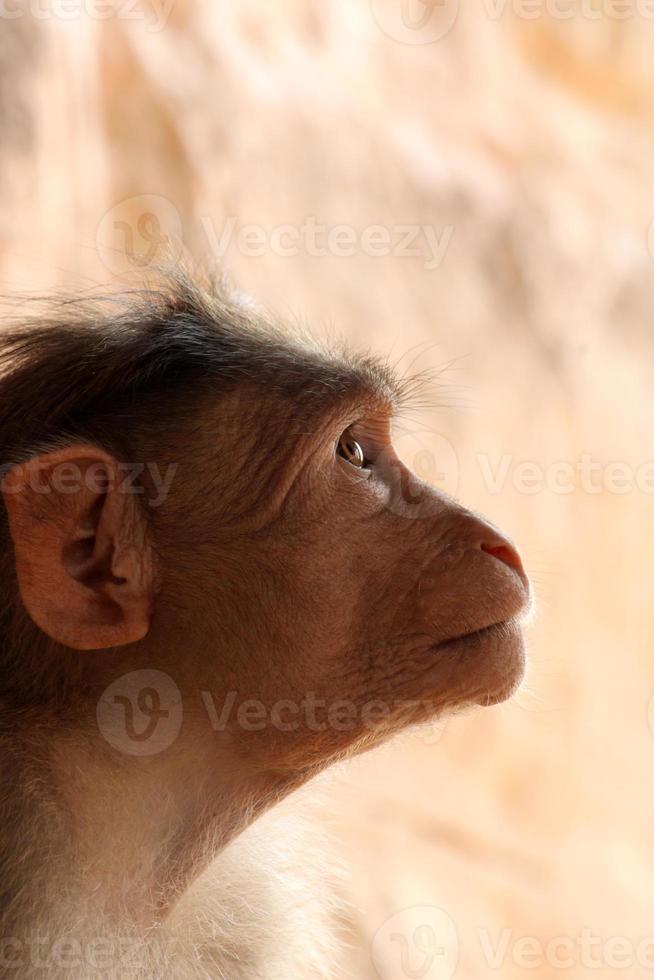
[
  {"x": 332, "y": 382},
  {"x": 136, "y": 356},
  {"x": 290, "y": 360}
]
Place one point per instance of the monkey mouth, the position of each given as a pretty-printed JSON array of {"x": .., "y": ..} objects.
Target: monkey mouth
[
  {"x": 494, "y": 630},
  {"x": 499, "y": 654}
]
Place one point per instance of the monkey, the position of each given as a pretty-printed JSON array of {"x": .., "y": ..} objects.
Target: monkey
[{"x": 217, "y": 578}]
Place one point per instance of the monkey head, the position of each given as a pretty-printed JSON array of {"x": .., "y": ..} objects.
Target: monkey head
[{"x": 295, "y": 573}]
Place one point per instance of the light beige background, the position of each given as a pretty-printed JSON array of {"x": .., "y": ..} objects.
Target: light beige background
[{"x": 524, "y": 137}]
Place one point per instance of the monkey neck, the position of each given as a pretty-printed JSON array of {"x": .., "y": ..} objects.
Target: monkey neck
[
  {"x": 100, "y": 846},
  {"x": 260, "y": 909}
]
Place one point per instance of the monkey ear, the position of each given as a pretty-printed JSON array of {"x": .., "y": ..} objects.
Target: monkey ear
[{"x": 83, "y": 560}]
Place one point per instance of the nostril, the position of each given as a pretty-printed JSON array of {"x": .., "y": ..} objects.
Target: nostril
[{"x": 506, "y": 554}]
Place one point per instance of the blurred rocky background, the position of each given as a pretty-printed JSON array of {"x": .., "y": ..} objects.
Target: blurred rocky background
[{"x": 466, "y": 189}]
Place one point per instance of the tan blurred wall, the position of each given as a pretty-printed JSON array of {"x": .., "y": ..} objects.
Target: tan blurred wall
[{"x": 525, "y": 144}]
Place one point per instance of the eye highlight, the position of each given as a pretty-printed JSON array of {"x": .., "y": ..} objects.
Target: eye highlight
[{"x": 350, "y": 450}]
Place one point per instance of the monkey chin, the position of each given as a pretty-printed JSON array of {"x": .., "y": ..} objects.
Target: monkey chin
[{"x": 496, "y": 656}]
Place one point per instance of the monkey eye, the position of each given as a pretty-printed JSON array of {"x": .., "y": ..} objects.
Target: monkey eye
[{"x": 350, "y": 450}]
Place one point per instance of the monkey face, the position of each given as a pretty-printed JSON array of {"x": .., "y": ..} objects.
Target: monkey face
[
  {"x": 367, "y": 600},
  {"x": 296, "y": 565},
  {"x": 289, "y": 593}
]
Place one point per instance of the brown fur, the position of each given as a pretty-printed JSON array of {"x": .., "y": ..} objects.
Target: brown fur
[{"x": 354, "y": 601}]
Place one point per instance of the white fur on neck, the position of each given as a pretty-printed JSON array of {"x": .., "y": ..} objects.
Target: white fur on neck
[{"x": 263, "y": 910}]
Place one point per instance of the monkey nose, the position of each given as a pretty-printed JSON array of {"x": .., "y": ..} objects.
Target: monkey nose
[{"x": 507, "y": 554}]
